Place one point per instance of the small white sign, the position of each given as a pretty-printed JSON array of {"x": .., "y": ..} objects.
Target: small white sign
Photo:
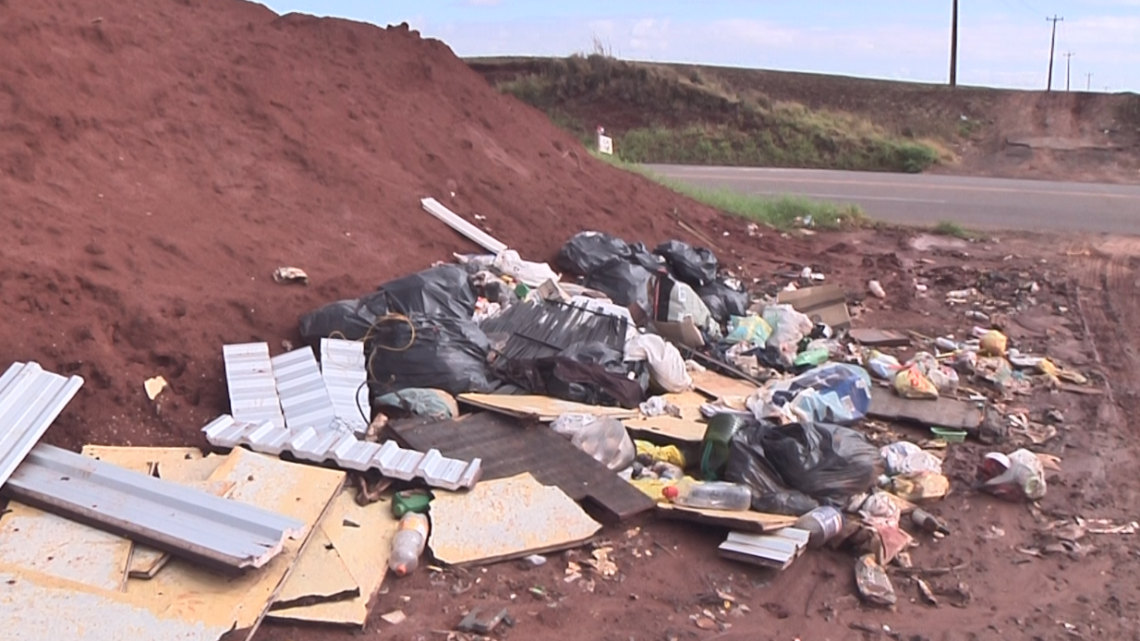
[{"x": 605, "y": 144}]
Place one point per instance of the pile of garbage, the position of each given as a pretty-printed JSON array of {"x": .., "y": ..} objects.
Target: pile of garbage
[{"x": 657, "y": 381}]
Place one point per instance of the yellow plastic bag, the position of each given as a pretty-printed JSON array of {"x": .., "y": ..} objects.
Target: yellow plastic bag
[
  {"x": 666, "y": 453},
  {"x": 994, "y": 343},
  {"x": 912, "y": 383},
  {"x": 923, "y": 486}
]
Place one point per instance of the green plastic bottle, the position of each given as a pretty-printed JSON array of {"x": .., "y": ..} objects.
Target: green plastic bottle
[
  {"x": 410, "y": 501},
  {"x": 715, "y": 445}
]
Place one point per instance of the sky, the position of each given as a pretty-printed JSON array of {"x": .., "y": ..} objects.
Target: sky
[{"x": 1002, "y": 43}]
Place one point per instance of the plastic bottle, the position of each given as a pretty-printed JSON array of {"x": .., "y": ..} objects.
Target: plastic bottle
[
  {"x": 714, "y": 495},
  {"x": 408, "y": 544},
  {"x": 824, "y": 523}
]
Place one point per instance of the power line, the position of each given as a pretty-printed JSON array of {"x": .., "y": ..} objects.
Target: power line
[{"x": 1052, "y": 47}]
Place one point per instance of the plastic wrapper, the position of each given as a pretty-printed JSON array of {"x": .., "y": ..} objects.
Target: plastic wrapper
[
  {"x": 648, "y": 453},
  {"x": 874, "y": 585},
  {"x": 748, "y": 464},
  {"x": 666, "y": 365},
  {"x": 882, "y": 365},
  {"x": 789, "y": 327},
  {"x": 659, "y": 406},
  {"x": 747, "y": 329},
  {"x": 439, "y": 353},
  {"x": 1016, "y": 477},
  {"x": 920, "y": 486},
  {"x": 723, "y": 300},
  {"x": 910, "y": 382},
  {"x": 944, "y": 378},
  {"x": 509, "y": 263},
  {"x": 993, "y": 343},
  {"x": 906, "y": 458},
  {"x": 430, "y": 403},
  {"x": 695, "y": 266},
  {"x": 827, "y": 462},
  {"x": 602, "y": 437}
]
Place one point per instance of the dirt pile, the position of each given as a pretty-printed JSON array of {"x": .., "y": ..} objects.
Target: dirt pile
[{"x": 159, "y": 160}]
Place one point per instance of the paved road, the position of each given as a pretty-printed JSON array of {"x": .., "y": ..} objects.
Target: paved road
[{"x": 991, "y": 203}]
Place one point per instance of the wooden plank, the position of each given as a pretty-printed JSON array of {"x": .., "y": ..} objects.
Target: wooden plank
[
  {"x": 879, "y": 337},
  {"x": 362, "y": 536},
  {"x": 746, "y": 521},
  {"x": 43, "y": 542},
  {"x": 471, "y": 232},
  {"x": 690, "y": 428},
  {"x": 542, "y": 408},
  {"x": 720, "y": 386},
  {"x": 303, "y": 492},
  {"x": 943, "y": 412},
  {"x": 826, "y": 304},
  {"x": 508, "y": 449},
  {"x": 512, "y": 518}
]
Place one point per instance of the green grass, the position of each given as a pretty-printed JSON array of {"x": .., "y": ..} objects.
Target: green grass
[
  {"x": 783, "y": 212},
  {"x": 950, "y": 228}
]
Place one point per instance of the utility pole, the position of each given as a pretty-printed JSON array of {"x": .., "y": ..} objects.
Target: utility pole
[
  {"x": 954, "y": 47},
  {"x": 1088, "y": 81},
  {"x": 1052, "y": 46},
  {"x": 1068, "y": 67}
]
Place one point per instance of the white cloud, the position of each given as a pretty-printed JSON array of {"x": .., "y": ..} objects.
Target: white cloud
[{"x": 482, "y": 3}]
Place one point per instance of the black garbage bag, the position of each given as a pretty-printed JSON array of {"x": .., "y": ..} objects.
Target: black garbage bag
[
  {"x": 723, "y": 301},
  {"x": 434, "y": 352},
  {"x": 694, "y": 266},
  {"x": 589, "y": 250},
  {"x": 444, "y": 290},
  {"x": 348, "y": 319},
  {"x": 624, "y": 282},
  {"x": 827, "y": 462},
  {"x": 639, "y": 254},
  {"x": 749, "y": 465},
  {"x": 595, "y": 374}
]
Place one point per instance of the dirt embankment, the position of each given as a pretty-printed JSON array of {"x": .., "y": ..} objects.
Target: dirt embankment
[{"x": 988, "y": 132}]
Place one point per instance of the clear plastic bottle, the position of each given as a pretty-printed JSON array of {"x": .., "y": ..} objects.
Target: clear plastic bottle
[
  {"x": 824, "y": 523},
  {"x": 715, "y": 495},
  {"x": 409, "y": 543}
]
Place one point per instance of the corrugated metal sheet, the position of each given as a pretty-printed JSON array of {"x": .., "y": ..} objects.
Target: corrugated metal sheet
[
  {"x": 181, "y": 520},
  {"x": 249, "y": 377},
  {"x": 30, "y": 399},
  {"x": 346, "y": 451},
  {"x": 302, "y": 391},
  {"x": 343, "y": 368}
]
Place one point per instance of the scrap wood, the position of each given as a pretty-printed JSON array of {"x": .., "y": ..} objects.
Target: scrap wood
[
  {"x": 871, "y": 337},
  {"x": 719, "y": 386},
  {"x": 506, "y": 519},
  {"x": 362, "y": 537},
  {"x": 39, "y": 606},
  {"x": 239, "y": 602},
  {"x": 543, "y": 408},
  {"x": 452, "y": 220},
  {"x": 688, "y": 428},
  {"x": 743, "y": 521},
  {"x": 942, "y": 412}
]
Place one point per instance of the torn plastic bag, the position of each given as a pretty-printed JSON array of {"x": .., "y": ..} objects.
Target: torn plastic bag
[
  {"x": 747, "y": 329},
  {"x": 677, "y": 300},
  {"x": 509, "y": 263},
  {"x": 444, "y": 290},
  {"x": 723, "y": 301},
  {"x": 602, "y": 437},
  {"x": 789, "y": 327},
  {"x": 666, "y": 365},
  {"x": 833, "y": 393},
  {"x": 595, "y": 374},
  {"x": 625, "y": 283},
  {"x": 430, "y": 403},
  {"x": 639, "y": 254},
  {"x": 430, "y": 352},
  {"x": 695, "y": 266},
  {"x": 349, "y": 319},
  {"x": 748, "y": 464},
  {"x": 830, "y": 463},
  {"x": 588, "y": 251}
]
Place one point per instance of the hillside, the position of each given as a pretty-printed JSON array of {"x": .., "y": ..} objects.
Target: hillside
[
  {"x": 700, "y": 114},
  {"x": 158, "y": 161}
]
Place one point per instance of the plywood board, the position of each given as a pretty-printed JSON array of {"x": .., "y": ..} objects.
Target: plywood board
[
  {"x": 299, "y": 491},
  {"x": 690, "y": 428},
  {"x": 544, "y": 408},
  {"x": 37, "y": 606},
  {"x": 320, "y": 576},
  {"x": 943, "y": 412},
  {"x": 508, "y": 449},
  {"x": 140, "y": 459},
  {"x": 826, "y": 304},
  {"x": 53, "y": 545},
  {"x": 362, "y": 536},
  {"x": 721, "y": 386},
  {"x": 746, "y": 521},
  {"x": 514, "y": 517},
  {"x": 879, "y": 337}
]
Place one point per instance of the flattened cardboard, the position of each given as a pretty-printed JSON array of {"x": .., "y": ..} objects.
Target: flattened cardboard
[
  {"x": 742, "y": 521},
  {"x": 826, "y": 304}
]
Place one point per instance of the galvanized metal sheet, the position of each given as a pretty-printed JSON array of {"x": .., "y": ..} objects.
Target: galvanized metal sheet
[
  {"x": 253, "y": 390},
  {"x": 347, "y": 452},
  {"x": 180, "y": 520},
  {"x": 517, "y": 516},
  {"x": 343, "y": 369},
  {"x": 30, "y": 400},
  {"x": 302, "y": 391},
  {"x": 37, "y": 607}
]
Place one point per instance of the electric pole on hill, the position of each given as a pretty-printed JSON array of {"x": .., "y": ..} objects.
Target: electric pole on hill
[
  {"x": 1052, "y": 46},
  {"x": 954, "y": 47},
  {"x": 1068, "y": 67},
  {"x": 1088, "y": 81}
]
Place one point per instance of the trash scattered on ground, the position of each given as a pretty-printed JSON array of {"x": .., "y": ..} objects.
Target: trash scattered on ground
[
  {"x": 154, "y": 386},
  {"x": 395, "y": 617},
  {"x": 290, "y": 275}
]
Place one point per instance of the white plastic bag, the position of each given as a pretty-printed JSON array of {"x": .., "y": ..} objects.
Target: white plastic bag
[
  {"x": 788, "y": 328},
  {"x": 602, "y": 437},
  {"x": 509, "y": 262},
  {"x": 907, "y": 458},
  {"x": 666, "y": 365}
]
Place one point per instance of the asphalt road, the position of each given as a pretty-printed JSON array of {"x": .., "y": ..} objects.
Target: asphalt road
[{"x": 978, "y": 203}]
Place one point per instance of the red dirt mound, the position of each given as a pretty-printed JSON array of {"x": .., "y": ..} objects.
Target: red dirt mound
[{"x": 159, "y": 160}]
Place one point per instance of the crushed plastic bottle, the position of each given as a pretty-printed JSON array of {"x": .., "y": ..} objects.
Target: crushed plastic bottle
[
  {"x": 714, "y": 495},
  {"x": 408, "y": 544}
]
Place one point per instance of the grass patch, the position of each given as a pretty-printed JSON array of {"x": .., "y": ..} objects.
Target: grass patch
[
  {"x": 783, "y": 212},
  {"x": 951, "y": 228}
]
